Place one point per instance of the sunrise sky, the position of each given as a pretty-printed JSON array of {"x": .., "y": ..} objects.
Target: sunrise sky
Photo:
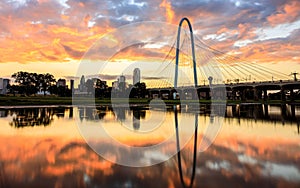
[{"x": 53, "y": 35}]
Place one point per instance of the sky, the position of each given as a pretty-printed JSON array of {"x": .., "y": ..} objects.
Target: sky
[{"x": 54, "y": 35}]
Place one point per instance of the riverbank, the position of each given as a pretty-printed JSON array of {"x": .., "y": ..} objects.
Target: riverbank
[{"x": 54, "y": 100}]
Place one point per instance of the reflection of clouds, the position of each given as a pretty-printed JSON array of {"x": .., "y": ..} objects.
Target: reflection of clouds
[
  {"x": 154, "y": 156},
  {"x": 244, "y": 155},
  {"x": 218, "y": 165},
  {"x": 247, "y": 159},
  {"x": 255, "y": 160},
  {"x": 27, "y": 162},
  {"x": 270, "y": 169},
  {"x": 54, "y": 161},
  {"x": 287, "y": 172}
]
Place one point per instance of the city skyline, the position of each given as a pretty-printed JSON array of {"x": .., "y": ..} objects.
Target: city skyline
[{"x": 263, "y": 32}]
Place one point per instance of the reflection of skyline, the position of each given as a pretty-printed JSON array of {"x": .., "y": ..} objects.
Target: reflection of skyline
[
  {"x": 91, "y": 113},
  {"x": 137, "y": 114},
  {"x": 136, "y": 123},
  {"x": 32, "y": 117},
  {"x": 35, "y": 116},
  {"x": 259, "y": 112},
  {"x": 284, "y": 114},
  {"x": 120, "y": 113},
  {"x": 3, "y": 113}
]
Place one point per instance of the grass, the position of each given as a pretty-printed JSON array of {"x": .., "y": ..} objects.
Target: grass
[
  {"x": 54, "y": 100},
  {"x": 34, "y": 100}
]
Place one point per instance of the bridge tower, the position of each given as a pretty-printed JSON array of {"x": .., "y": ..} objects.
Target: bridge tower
[
  {"x": 295, "y": 75},
  {"x": 177, "y": 52}
]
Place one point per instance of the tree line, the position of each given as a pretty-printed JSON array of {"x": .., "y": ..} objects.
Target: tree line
[{"x": 28, "y": 83}]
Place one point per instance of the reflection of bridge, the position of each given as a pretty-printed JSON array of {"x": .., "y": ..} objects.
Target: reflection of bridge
[{"x": 242, "y": 80}]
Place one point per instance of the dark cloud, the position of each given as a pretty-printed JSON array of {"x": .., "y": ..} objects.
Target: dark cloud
[
  {"x": 104, "y": 76},
  {"x": 72, "y": 77},
  {"x": 137, "y": 50},
  {"x": 294, "y": 38},
  {"x": 127, "y": 76},
  {"x": 49, "y": 57},
  {"x": 33, "y": 11},
  {"x": 153, "y": 77},
  {"x": 73, "y": 53},
  {"x": 218, "y": 7}
]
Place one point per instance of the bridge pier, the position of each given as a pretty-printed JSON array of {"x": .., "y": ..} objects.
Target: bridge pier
[
  {"x": 243, "y": 96},
  {"x": 292, "y": 94},
  {"x": 256, "y": 93},
  {"x": 233, "y": 94},
  {"x": 165, "y": 94},
  {"x": 283, "y": 112},
  {"x": 265, "y": 94},
  {"x": 195, "y": 94},
  {"x": 283, "y": 96},
  {"x": 153, "y": 94},
  {"x": 266, "y": 111},
  {"x": 293, "y": 110},
  {"x": 207, "y": 95},
  {"x": 233, "y": 110}
]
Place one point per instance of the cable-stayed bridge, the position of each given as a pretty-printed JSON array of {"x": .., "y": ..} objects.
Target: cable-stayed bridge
[{"x": 190, "y": 63}]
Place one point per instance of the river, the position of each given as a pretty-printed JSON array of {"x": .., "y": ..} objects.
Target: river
[{"x": 65, "y": 146}]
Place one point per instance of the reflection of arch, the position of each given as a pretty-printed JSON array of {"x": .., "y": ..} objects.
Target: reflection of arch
[
  {"x": 193, "y": 51},
  {"x": 179, "y": 154}
]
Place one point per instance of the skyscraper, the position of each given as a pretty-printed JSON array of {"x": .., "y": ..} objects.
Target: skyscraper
[
  {"x": 136, "y": 76},
  {"x": 72, "y": 86},
  {"x": 122, "y": 83},
  {"x": 122, "y": 79},
  {"x": 81, "y": 86},
  {"x": 3, "y": 85}
]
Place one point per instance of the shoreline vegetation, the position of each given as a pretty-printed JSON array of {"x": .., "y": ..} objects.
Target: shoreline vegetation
[{"x": 54, "y": 100}]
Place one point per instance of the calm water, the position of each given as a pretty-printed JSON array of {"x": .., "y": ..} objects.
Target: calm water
[{"x": 43, "y": 147}]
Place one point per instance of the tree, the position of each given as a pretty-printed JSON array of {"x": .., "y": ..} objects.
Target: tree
[
  {"x": 53, "y": 89},
  {"x": 26, "y": 81},
  {"x": 100, "y": 88},
  {"x": 30, "y": 83},
  {"x": 63, "y": 91},
  {"x": 138, "y": 90},
  {"x": 45, "y": 81}
]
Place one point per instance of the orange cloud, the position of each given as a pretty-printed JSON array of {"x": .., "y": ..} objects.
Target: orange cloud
[
  {"x": 86, "y": 19},
  {"x": 168, "y": 9},
  {"x": 36, "y": 42},
  {"x": 288, "y": 12},
  {"x": 52, "y": 32},
  {"x": 81, "y": 4}
]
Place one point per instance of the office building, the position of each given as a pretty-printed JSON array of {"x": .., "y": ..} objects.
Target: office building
[{"x": 136, "y": 76}]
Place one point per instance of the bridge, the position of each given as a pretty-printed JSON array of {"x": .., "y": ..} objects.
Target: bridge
[
  {"x": 238, "y": 91},
  {"x": 190, "y": 62}
]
